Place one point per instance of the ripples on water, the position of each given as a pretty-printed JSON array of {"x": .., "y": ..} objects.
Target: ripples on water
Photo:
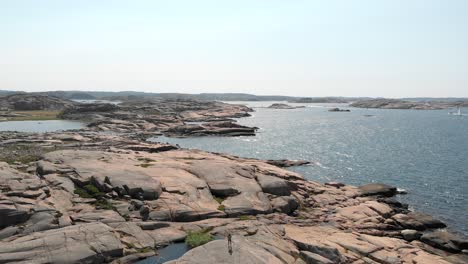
[{"x": 423, "y": 152}]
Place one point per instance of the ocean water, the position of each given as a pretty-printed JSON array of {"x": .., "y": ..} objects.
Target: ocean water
[
  {"x": 40, "y": 126},
  {"x": 423, "y": 152}
]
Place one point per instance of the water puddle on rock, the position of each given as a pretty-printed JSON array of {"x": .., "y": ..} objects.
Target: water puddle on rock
[{"x": 171, "y": 252}]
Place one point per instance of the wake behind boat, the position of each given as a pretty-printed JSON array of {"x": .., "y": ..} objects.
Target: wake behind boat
[{"x": 458, "y": 113}]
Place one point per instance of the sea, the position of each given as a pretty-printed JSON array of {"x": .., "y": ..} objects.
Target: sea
[{"x": 424, "y": 152}]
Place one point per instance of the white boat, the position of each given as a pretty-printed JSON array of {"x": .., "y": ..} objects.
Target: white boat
[{"x": 458, "y": 113}]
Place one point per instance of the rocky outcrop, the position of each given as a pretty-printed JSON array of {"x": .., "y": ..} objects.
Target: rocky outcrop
[
  {"x": 287, "y": 163},
  {"x": 283, "y": 106},
  {"x": 377, "y": 189},
  {"x": 28, "y": 102},
  {"x": 227, "y": 128},
  {"x": 338, "y": 110},
  {"x": 163, "y": 116},
  {"x": 94, "y": 197},
  {"x": 402, "y": 104}
]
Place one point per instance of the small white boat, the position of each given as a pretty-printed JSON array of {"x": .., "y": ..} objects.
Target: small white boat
[{"x": 458, "y": 113}]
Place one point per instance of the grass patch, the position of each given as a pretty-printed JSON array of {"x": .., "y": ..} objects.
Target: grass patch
[
  {"x": 146, "y": 160},
  {"x": 245, "y": 217},
  {"x": 144, "y": 250},
  {"x": 221, "y": 207},
  {"x": 104, "y": 204},
  {"x": 35, "y": 115},
  {"x": 89, "y": 191},
  {"x": 219, "y": 199},
  {"x": 82, "y": 193},
  {"x": 198, "y": 238}
]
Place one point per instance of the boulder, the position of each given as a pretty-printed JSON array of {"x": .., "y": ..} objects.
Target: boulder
[
  {"x": 410, "y": 234},
  {"x": 445, "y": 240},
  {"x": 418, "y": 221},
  {"x": 285, "y": 204},
  {"x": 273, "y": 185},
  {"x": 377, "y": 189}
]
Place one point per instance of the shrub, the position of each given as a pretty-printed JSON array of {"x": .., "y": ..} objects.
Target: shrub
[
  {"x": 82, "y": 193},
  {"x": 198, "y": 238}
]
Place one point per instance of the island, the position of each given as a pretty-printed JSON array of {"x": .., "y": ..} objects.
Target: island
[
  {"x": 283, "y": 106},
  {"x": 405, "y": 104},
  {"x": 104, "y": 194}
]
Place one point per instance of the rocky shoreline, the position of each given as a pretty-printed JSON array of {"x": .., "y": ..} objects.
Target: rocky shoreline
[
  {"x": 91, "y": 196},
  {"x": 404, "y": 104}
]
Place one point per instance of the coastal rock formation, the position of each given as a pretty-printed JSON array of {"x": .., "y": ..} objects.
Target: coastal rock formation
[
  {"x": 283, "y": 106},
  {"x": 92, "y": 197},
  {"x": 402, "y": 104},
  {"x": 338, "y": 110},
  {"x": 28, "y": 102},
  {"x": 177, "y": 118}
]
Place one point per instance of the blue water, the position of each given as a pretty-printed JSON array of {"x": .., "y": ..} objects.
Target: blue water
[
  {"x": 40, "y": 126},
  {"x": 423, "y": 152}
]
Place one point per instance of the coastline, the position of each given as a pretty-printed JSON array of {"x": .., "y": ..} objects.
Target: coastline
[{"x": 271, "y": 212}]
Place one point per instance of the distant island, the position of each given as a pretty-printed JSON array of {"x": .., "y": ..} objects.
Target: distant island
[
  {"x": 405, "y": 104},
  {"x": 421, "y": 103}
]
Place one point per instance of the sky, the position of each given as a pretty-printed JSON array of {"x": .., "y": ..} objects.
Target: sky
[{"x": 378, "y": 48}]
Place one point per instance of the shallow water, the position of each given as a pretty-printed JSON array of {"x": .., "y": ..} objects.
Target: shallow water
[
  {"x": 171, "y": 252},
  {"x": 423, "y": 152},
  {"x": 40, "y": 126}
]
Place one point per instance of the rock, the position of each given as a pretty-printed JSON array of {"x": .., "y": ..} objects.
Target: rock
[
  {"x": 410, "y": 235},
  {"x": 44, "y": 167},
  {"x": 29, "y": 102},
  {"x": 283, "y": 106},
  {"x": 377, "y": 189},
  {"x": 335, "y": 184},
  {"x": 273, "y": 185},
  {"x": 11, "y": 214},
  {"x": 285, "y": 204},
  {"x": 401, "y": 104},
  {"x": 417, "y": 221},
  {"x": 135, "y": 181},
  {"x": 445, "y": 240},
  {"x": 287, "y": 163},
  {"x": 166, "y": 235},
  {"x": 338, "y": 110},
  {"x": 85, "y": 243},
  {"x": 312, "y": 258},
  {"x": 104, "y": 216},
  {"x": 243, "y": 251},
  {"x": 133, "y": 258}
]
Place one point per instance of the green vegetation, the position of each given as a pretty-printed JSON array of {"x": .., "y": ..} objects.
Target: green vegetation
[
  {"x": 221, "y": 207},
  {"x": 104, "y": 204},
  {"x": 195, "y": 239},
  {"x": 89, "y": 191},
  {"x": 219, "y": 199},
  {"x": 245, "y": 217},
  {"x": 36, "y": 115},
  {"x": 144, "y": 250},
  {"x": 146, "y": 160},
  {"x": 82, "y": 193}
]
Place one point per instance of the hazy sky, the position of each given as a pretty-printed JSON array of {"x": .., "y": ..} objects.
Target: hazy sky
[{"x": 391, "y": 48}]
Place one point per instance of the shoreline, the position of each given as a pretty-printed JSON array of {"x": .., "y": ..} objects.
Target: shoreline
[{"x": 274, "y": 213}]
